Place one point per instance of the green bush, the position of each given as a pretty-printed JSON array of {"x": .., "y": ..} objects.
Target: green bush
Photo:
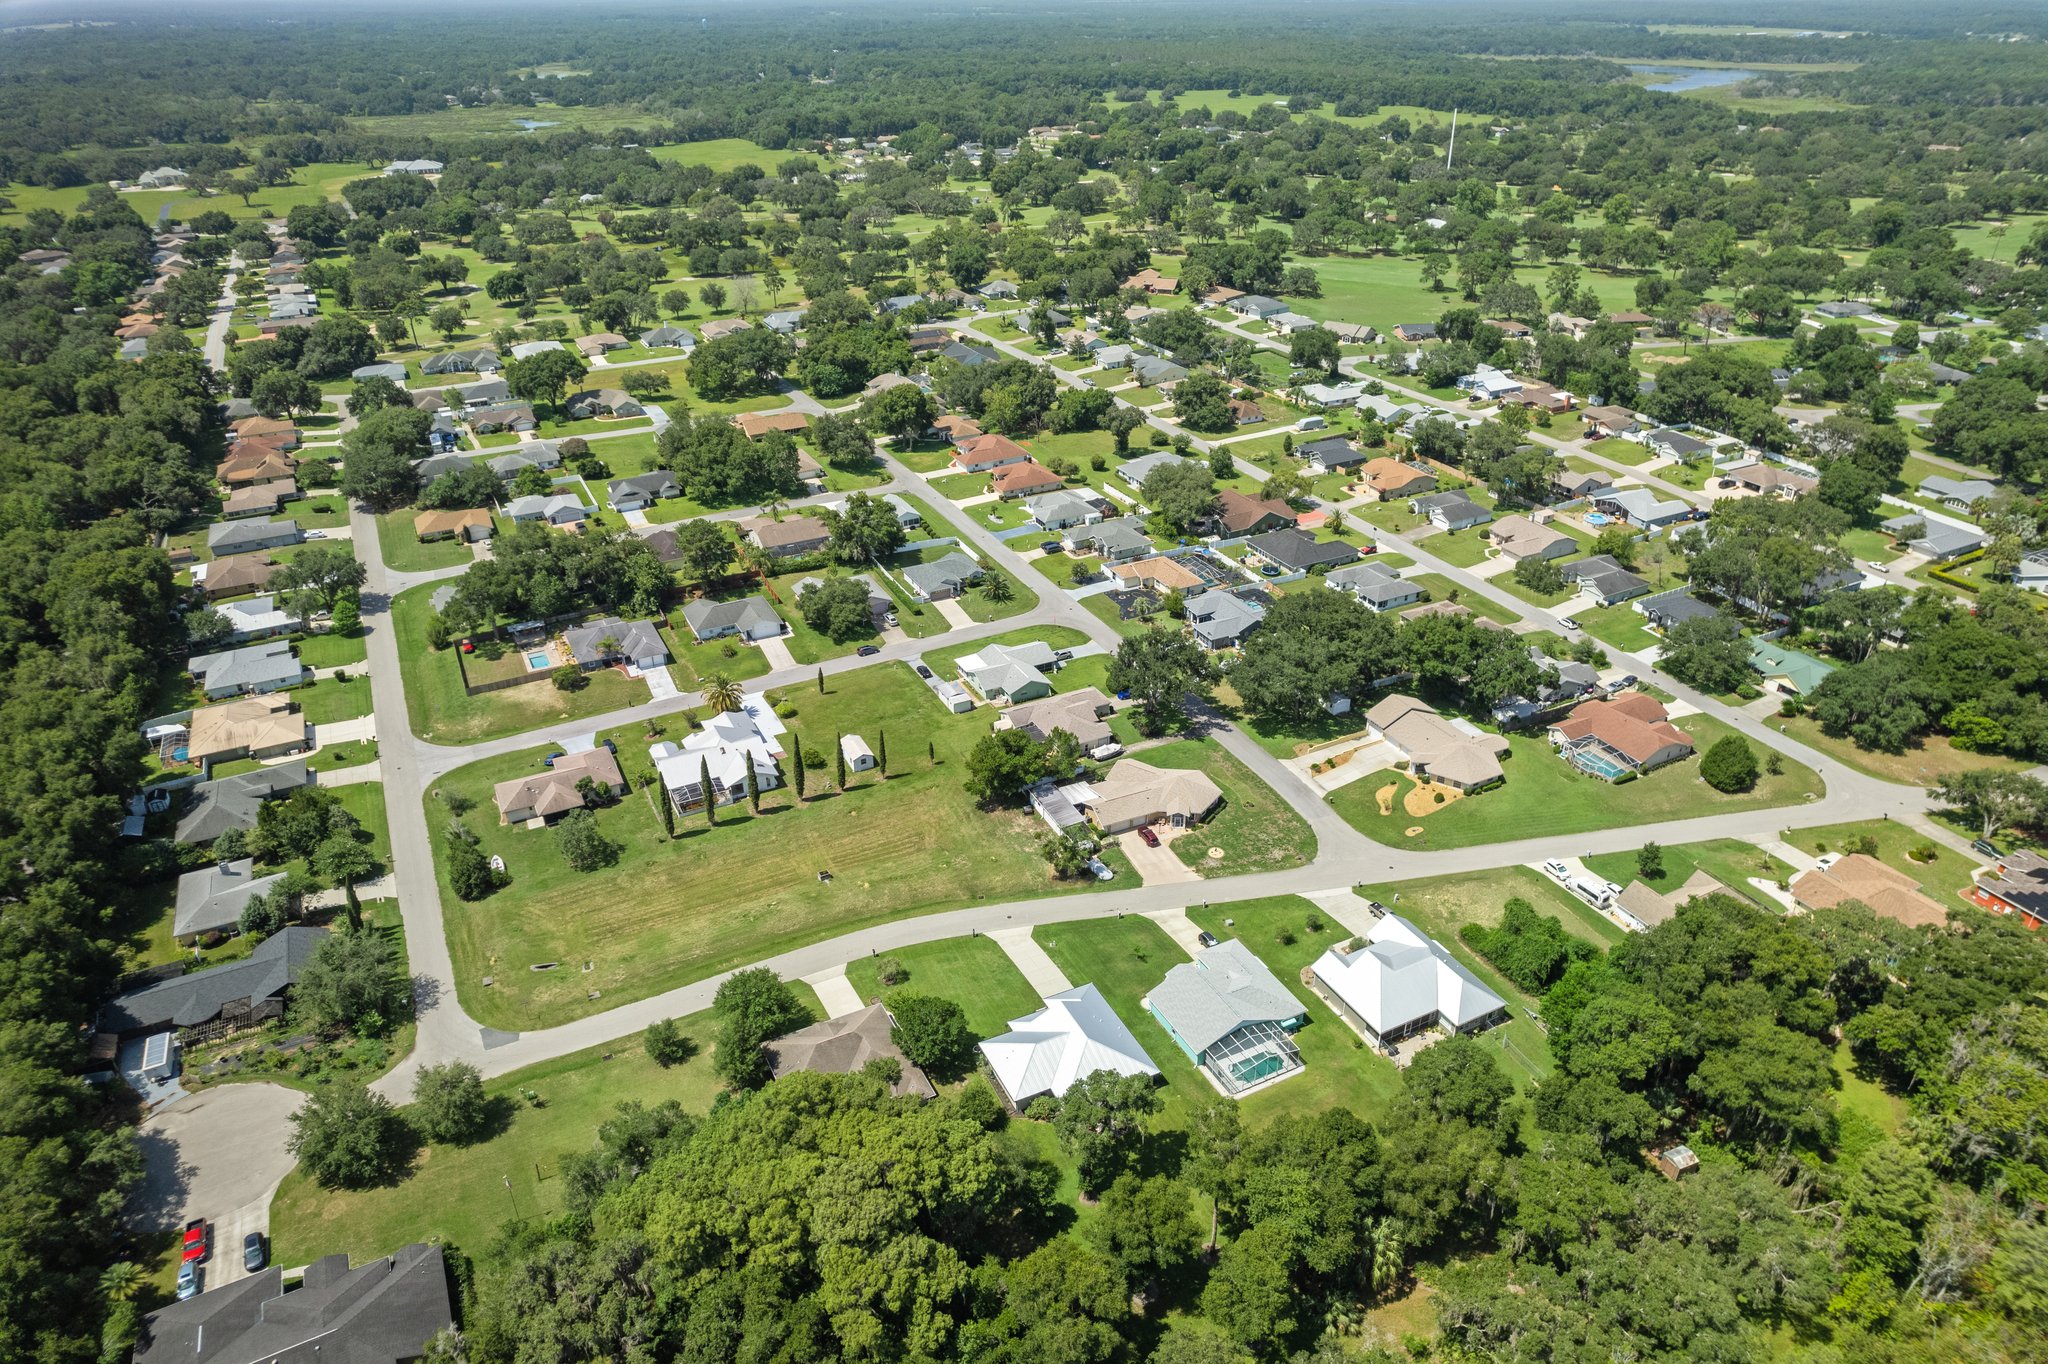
[{"x": 1730, "y": 765}]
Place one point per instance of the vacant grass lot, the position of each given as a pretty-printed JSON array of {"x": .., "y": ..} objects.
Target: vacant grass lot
[
  {"x": 1920, "y": 765},
  {"x": 1727, "y": 861},
  {"x": 1545, "y": 796},
  {"x": 1255, "y": 829},
  {"x": 974, "y": 973},
  {"x": 1619, "y": 626},
  {"x": 1441, "y": 588},
  {"x": 442, "y": 712},
  {"x": 673, "y": 911}
]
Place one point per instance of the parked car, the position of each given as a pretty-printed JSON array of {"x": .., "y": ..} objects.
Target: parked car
[
  {"x": 867, "y": 650},
  {"x": 924, "y": 672},
  {"x": 1568, "y": 622},
  {"x": 1100, "y": 868},
  {"x": 1624, "y": 682},
  {"x": 1063, "y": 656},
  {"x": 610, "y": 747},
  {"x": 198, "y": 1240},
  {"x": 253, "y": 1254},
  {"x": 1375, "y": 907},
  {"x": 469, "y": 646},
  {"x": 1151, "y": 840},
  {"x": 1556, "y": 868},
  {"x": 549, "y": 760},
  {"x": 1984, "y": 847},
  {"x": 188, "y": 1280},
  {"x": 1048, "y": 546},
  {"x": 1206, "y": 938},
  {"x": 316, "y": 535}
]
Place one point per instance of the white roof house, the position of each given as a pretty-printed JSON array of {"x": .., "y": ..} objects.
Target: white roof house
[
  {"x": 527, "y": 349},
  {"x": 1402, "y": 981},
  {"x": 1072, "y": 1037},
  {"x": 1009, "y": 672},
  {"x": 727, "y": 743},
  {"x": 257, "y": 617}
]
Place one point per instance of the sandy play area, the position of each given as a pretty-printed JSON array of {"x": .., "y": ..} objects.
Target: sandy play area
[{"x": 1421, "y": 799}]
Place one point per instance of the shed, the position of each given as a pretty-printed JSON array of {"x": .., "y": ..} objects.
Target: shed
[
  {"x": 159, "y": 1056},
  {"x": 854, "y": 749}
]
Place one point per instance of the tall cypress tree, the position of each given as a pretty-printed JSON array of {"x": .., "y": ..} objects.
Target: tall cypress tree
[
  {"x": 668, "y": 811},
  {"x": 796, "y": 750},
  {"x": 882, "y": 751},
  {"x": 710, "y": 801},
  {"x": 753, "y": 787},
  {"x": 839, "y": 755},
  {"x": 821, "y": 681}
]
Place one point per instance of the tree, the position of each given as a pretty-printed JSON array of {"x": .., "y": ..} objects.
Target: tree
[
  {"x": 262, "y": 915},
  {"x": 470, "y": 874},
  {"x": 350, "y": 985},
  {"x": 342, "y": 859},
  {"x": 864, "y": 530},
  {"x": 278, "y": 392},
  {"x": 1216, "y": 1145},
  {"x": 1003, "y": 765},
  {"x": 545, "y": 376},
  {"x": 705, "y": 789},
  {"x": 753, "y": 1006},
  {"x": 1996, "y": 800},
  {"x": 997, "y": 587},
  {"x": 1101, "y": 1124},
  {"x": 350, "y": 1138},
  {"x": 1165, "y": 672},
  {"x": 1312, "y": 647},
  {"x": 1730, "y": 765},
  {"x": 318, "y": 577},
  {"x": 722, "y": 693},
  {"x": 373, "y": 394},
  {"x": 703, "y": 549},
  {"x": 838, "y": 609},
  {"x": 667, "y": 1044},
  {"x": 1650, "y": 861},
  {"x": 904, "y": 411},
  {"x": 839, "y": 759},
  {"x": 582, "y": 844},
  {"x": 1064, "y": 856},
  {"x": 1201, "y": 402},
  {"x": 1708, "y": 652},
  {"x": 1251, "y": 1293},
  {"x": 1144, "y": 1226},
  {"x": 1314, "y": 348},
  {"x": 1121, "y": 421},
  {"x": 933, "y": 1034},
  {"x": 743, "y": 362},
  {"x": 449, "y": 1104}
]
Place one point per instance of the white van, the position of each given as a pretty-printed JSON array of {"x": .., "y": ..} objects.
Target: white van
[
  {"x": 1591, "y": 889},
  {"x": 1311, "y": 424}
]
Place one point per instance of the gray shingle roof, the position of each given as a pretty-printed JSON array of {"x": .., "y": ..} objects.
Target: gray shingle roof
[
  {"x": 214, "y": 807},
  {"x": 747, "y": 614},
  {"x": 951, "y": 572},
  {"x": 195, "y": 998},
  {"x": 1221, "y": 990},
  {"x": 210, "y": 900}
]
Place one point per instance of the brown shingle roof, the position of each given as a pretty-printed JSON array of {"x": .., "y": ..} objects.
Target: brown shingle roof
[
  {"x": 758, "y": 424},
  {"x": 1887, "y": 892},
  {"x": 1238, "y": 512},
  {"x": 1017, "y": 478},
  {"x": 1633, "y": 724}
]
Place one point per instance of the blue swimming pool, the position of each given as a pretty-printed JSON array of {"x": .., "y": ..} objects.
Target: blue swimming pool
[
  {"x": 536, "y": 661},
  {"x": 1596, "y": 518},
  {"x": 1598, "y": 763}
]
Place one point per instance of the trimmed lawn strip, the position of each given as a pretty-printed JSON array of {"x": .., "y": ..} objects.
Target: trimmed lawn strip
[
  {"x": 974, "y": 973},
  {"x": 1620, "y": 626},
  {"x": 332, "y": 699},
  {"x": 1622, "y": 451},
  {"x": 1103, "y": 609},
  {"x": 329, "y": 650},
  {"x": 1255, "y": 828},
  {"x": 1544, "y": 797},
  {"x": 1124, "y": 958},
  {"x": 671, "y": 911}
]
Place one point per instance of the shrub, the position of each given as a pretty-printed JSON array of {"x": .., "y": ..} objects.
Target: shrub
[
  {"x": 891, "y": 971},
  {"x": 1923, "y": 852},
  {"x": 349, "y": 1138},
  {"x": 1285, "y": 937},
  {"x": 667, "y": 1044},
  {"x": 813, "y": 759},
  {"x": 978, "y": 1103},
  {"x": 1315, "y": 922},
  {"x": 1730, "y": 765},
  {"x": 449, "y": 1104},
  {"x": 1861, "y": 843},
  {"x": 584, "y": 846},
  {"x": 569, "y": 677}
]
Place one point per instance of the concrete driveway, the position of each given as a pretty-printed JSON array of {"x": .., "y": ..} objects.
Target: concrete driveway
[
  {"x": 1157, "y": 866},
  {"x": 218, "y": 1155}
]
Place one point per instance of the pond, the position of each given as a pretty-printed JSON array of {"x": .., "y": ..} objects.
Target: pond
[{"x": 1682, "y": 78}]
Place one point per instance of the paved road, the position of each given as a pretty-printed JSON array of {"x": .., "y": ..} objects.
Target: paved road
[
  {"x": 215, "y": 348},
  {"x": 220, "y": 1155}
]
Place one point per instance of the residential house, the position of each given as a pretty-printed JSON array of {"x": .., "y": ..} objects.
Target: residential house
[
  {"x": 943, "y": 579},
  {"x": 1437, "y": 750},
  {"x": 1386, "y": 479},
  {"x": 240, "y": 537},
  {"x": 214, "y": 807},
  {"x": 1540, "y": 396},
  {"x": 1630, "y": 732},
  {"x": 1769, "y": 480},
  {"x": 609, "y": 640},
  {"x": 535, "y": 454},
  {"x": 1787, "y": 670},
  {"x": 276, "y": 326},
  {"x": 258, "y": 618},
  {"x": 604, "y": 402},
  {"x": 501, "y": 417},
  {"x": 641, "y": 491},
  {"x": 1605, "y": 421},
  {"x": 1136, "y": 471},
  {"x": 232, "y": 577},
  {"x": 907, "y": 516},
  {"x": 1450, "y": 510},
  {"x": 382, "y": 1312},
  {"x": 1158, "y": 574},
  {"x": 1507, "y": 326},
  {"x": 1245, "y": 412},
  {"x": 960, "y": 353},
  {"x": 1487, "y": 384},
  {"x": 785, "y": 322},
  {"x": 997, "y": 288},
  {"x": 1117, "y": 541},
  {"x": 469, "y": 524},
  {"x": 558, "y": 509},
  {"x": 1518, "y": 538},
  {"x": 750, "y": 618},
  {"x": 1114, "y": 356},
  {"x": 1353, "y": 333},
  {"x": 1151, "y": 281},
  {"x": 1840, "y": 309},
  {"x": 1289, "y": 322},
  {"x": 959, "y": 429},
  {"x": 266, "y": 667},
  {"x": 1378, "y": 586},
  {"x": 1221, "y": 295},
  {"x": 724, "y": 326},
  {"x": 254, "y": 727},
  {"x": 1061, "y": 509},
  {"x": 2032, "y": 573},
  {"x": 845, "y": 1046},
  {"x": 979, "y": 454},
  {"x": 1857, "y": 876},
  {"x": 1256, "y": 306},
  {"x": 414, "y": 167},
  {"x": 163, "y": 177},
  {"x": 1221, "y": 620},
  {"x": 1676, "y": 444},
  {"x": 389, "y": 369},
  {"x": 482, "y": 393},
  {"x": 1642, "y": 508},
  {"x": 790, "y": 536},
  {"x": 1232, "y": 1017},
  {"x": 1564, "y": 678},
  {"x": 548, "y": 795},
  {"x": 1669, "y": 608},
  {"x": 1940, "y": 541},
  {"x": 254, "y": 462},
  {"x": 1296, "y": 551},
  {"x": 1641, "y": 909},
  {"x": 1945, "y": 374},
  {"x": 882, "y": 383},
  {"x": 1632, "y": 319},
  {"x": 1413, "y": 332},
  {"x": 253, "y": 988},
  {"x": 2017, "y": 883},
  {"x": 1398, "y": 981},
  {"x": 1153, "y": 372},
  {"x": 1569, "y": 485},
  {"x": 1135, "y": 793},
  {"x": 901, "y": 303},
  {"x": 1239, "y": 514},
  {"x": 1603, "y": 581},
  {"x": 729, "y": 746},
  {"x": 1023, "y": 480},
  {"x": 526, "y": 350},
  {"x": 211, "y": 899},
  {"x": 1050, "y": 1050},
  {"x": 1957, "y": 494},
  {"x": 1330, "y": 455},
  {"x": 668, "y": 338},
  {"x": 755, "y": 425},
  {"x": 259, "y": 499},
  {"x": 477, "y": 359},
  {"x": 1080, "y": 713},
  {"x": 1574, "y": 327},
  {"x": 1006, "y": 673},
  {"x": 1327, "y": 396},
  {"x": 599, "y": 343}
]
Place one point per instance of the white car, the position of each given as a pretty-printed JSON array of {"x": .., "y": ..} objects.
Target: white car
[
  {"x": 316, "y": 535},
  {"x": 1556, "y": 869},
  {"x": 1100, "y": 868}
]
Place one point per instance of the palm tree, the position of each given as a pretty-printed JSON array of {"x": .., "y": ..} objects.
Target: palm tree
[
  {"x": 721, "y": 693},
  {"x": 1387, "y": 1236},
  {"x": 122, "y": 1280},
  {"x": 998, "y": 588}
]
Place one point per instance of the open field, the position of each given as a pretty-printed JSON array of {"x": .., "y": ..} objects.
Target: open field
[
  {"x": 974, "y": 973},
  {"x": 1545, "y": 796},
  {"x": 1920, "y": 765},
  {"x": 675, "y": 910}
]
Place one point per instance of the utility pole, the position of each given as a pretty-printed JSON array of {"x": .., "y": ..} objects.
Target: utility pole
[{"x": 1452, "y": 147}]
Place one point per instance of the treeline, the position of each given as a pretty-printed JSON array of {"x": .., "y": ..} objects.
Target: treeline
[{"x": 97, "y": 457}]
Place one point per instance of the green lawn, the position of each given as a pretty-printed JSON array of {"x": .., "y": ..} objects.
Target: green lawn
[
  {"x": 1105, "y": 610},
  {"x": 1621, "y": 626},
  {"x": 944, "y": 661},
  {"x": 1622, "y": 451},
  {"x": 1919, "y": 765},
  {"x": 1441, "y": 588},
  {"x": 406, "y": 554},
  {"x": 329, "y": 650},
  {"x": 1462, "y": 548},
  {"x": 332, "y": 699},
  {"x": 1545, "y": 796},
  {"x": 719, "y": 154},
  {"x": 974, "y": 973},
  {"x": 1726, "y": 860},
  {"x": 1255, "y": 829},
  {"x": 1942, "y": 879},
  {"x": 673, "y": 911},
  {"x": 442, "y": 712},
  {"x": 695, "y": 661},
  {"x": 807, "y": 645}
]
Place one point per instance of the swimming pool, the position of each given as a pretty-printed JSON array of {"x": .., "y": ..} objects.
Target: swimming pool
[
  {"x": 1599, "y": 764},
  {"x": 536, "y": 662},
  {"x": 1596, "y": 518}
]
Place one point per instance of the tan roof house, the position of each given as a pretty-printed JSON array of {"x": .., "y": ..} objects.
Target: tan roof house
[
  {"x": 1387, "y": 478},
  {"x": 260, "y": 499},
  {"x": 979, "y": 454},
  {"x": 551, "y": 794},
  {"x": 1157, "y": 574},
  {"x": 758, "y": 424},
  {"x": 1517, "y": 537},
  {"x": 236, "y": 574},
  {"x": 1079, "y": 713},
  {"x": 470, "y": 523},
  {"x": 250, "y": 727},
  {"x": 1630, "y": 732},
  {"x": 1241, "y": 514},
  {"x": 1136, "y": 793},
  {"x": 793, "y": 535},
  {"x": 1437, "y": 750},
  {"x": 844, "y": 1045},
  {"x": 1022, "y": 480},
  {"x": 1642, "y": 908},
  {"x": 1863, "y": 878},
  {"x": 1151, "y": 281}
]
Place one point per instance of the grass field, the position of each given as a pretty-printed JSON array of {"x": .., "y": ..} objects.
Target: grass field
[
  {"x": 441, "y": 711},
  {"x": 1727, "y": 861},
  {"x": 310, "y": 184},
  {"x": 1544, "y": 796},
  {"x": 974, "y": 973},
  {"x": 1920, "y": 765},
  {"x": 495, "y": 119},
  {"x": 1255, "y": 829},
  {"x": 405, "y": 553},
  {"x": 720, "y": 154},
  {"x": 673, "y": 911}
]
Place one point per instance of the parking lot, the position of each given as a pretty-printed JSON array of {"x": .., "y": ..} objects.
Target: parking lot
[{"x": 219, "y": 1155}]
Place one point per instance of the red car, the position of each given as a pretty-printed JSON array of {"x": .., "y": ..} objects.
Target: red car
[
  {"x": 198, "y": 1241},
  {"x": 1151, "y": 839}
]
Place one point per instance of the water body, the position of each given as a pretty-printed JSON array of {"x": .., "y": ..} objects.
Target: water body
[
  {"x": 530, "y": 124},
  {"x": 1683, "y": 78}
]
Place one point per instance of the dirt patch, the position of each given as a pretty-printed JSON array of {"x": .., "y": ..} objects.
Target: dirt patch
[
  {"x": 1424, "y": 799},
  {"x": 1385, "y": 797},
  {"x": 1412, "y": 831}
]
